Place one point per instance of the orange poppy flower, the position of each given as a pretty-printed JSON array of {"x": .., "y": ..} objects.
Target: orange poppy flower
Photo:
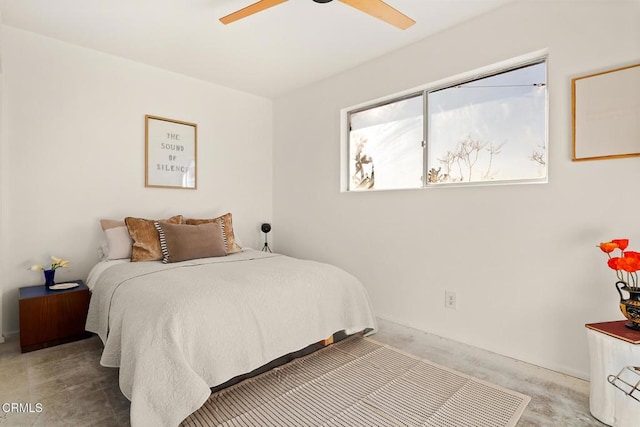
[
  {"x": 629, "y": 264},
  {"x": 608, "y": 247},
  {"x": 622, "y": 243},
  {"x": 613, "y": 263},
  {"x": 632, "y": 254}
]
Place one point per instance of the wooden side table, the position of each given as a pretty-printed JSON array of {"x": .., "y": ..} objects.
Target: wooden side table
[
  {"x": 612, "y": 347},
  {"x": 49, "y": 317}
]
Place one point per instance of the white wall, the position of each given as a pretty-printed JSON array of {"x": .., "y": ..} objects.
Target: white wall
[
  {"x": 1, "y": 189},
  {"x": 73, "y": 138},
  {"x": 522, "y": 258}
]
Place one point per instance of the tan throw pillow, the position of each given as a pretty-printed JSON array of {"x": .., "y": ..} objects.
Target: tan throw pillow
[
  {"x": 182, "y": 242},
  {"x": 119, "y": 241},
  {"x": 226, "y": 224},
  {"x": 146, "y": 243}
]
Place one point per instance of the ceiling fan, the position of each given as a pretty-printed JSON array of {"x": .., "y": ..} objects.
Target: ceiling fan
[{"x": 375, "y": 8}]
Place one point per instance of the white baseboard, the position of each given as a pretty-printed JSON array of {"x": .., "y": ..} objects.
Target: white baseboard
[
  {"x": 565, "y": 370},
  {"x": 4, "y": 337}
]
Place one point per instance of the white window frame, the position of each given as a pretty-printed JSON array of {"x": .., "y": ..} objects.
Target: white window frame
[{"x": 424, "y": 90}]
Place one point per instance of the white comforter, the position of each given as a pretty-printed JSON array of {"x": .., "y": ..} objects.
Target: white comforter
[{"x": 176, "y": 330}]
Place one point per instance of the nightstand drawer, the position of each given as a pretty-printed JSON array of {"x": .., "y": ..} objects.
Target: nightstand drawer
[{"x": 50, "y": 318}]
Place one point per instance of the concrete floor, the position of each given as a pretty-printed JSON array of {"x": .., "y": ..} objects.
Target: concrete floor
[
  {"x": 67, "y": 380},
  {"x": 74, "y": 390},
  {"x": 557, "y": 400}
]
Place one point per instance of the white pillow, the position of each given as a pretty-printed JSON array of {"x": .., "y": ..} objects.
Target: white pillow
[{"x": 119, "y": 242}]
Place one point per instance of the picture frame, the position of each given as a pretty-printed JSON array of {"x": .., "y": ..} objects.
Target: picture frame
[
  {"x": 606, "y": 114},
  {"x": 171, "y": 148}
]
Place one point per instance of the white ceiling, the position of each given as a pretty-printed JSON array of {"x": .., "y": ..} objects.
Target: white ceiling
[{"x": 275, "y": 51}]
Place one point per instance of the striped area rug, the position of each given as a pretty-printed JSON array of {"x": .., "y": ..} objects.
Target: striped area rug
[{"x": 360, "y": 382}]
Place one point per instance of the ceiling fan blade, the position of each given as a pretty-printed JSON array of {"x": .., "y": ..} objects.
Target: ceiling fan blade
[
  {"x": 250, "y": 10},
  {"x": 381, "y": 10}
]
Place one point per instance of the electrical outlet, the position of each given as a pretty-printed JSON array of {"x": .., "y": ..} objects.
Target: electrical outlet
[{"x": 450, "y": 299}]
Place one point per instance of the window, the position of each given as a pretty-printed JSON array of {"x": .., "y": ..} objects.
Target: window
[
  {"x": 385, "y": 136},
  {"x": 488, "y": 129}
]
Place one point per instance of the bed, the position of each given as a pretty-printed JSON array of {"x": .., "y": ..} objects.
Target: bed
[{"x": 176, "y": 330}]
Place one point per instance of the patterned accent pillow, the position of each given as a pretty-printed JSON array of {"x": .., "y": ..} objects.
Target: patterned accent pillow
[
  {"x": 226, "y": 223},
  {"x": 146, "y": 243},
  {"x": 163, "y": 242},
  {"x": 182, "y": 242}
]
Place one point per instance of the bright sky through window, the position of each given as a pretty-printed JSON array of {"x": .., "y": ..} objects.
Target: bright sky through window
[
  {"x": 486, "y": 130},
  {"x": 490, "y": 129}
]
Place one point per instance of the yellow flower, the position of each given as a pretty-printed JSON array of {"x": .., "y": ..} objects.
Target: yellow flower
[
  {"x": 58, "y": 262},
  {"x": 55, "y": 264}
]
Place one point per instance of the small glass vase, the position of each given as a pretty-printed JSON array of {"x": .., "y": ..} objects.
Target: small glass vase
[{"x": 49, "y": 278}]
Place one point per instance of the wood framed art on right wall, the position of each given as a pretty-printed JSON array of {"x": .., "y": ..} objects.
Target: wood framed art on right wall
[{"x": 606, "y": 114}]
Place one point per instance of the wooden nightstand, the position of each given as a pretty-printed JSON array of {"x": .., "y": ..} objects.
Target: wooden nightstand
[{"x": 49, "y": 317}]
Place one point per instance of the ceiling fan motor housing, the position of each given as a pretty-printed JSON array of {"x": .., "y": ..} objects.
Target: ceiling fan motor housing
[{"x": 322, "y": 1}]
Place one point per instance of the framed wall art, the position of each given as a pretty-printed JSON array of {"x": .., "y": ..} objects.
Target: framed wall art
[
  {"x": 171, "y": 153},
  {"x": 606, "y": 114}
]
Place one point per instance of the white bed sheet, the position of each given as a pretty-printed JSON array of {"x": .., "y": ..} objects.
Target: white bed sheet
[
  {"x": 175, "y": 330},
  {"x": 100, "y": 268}
]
